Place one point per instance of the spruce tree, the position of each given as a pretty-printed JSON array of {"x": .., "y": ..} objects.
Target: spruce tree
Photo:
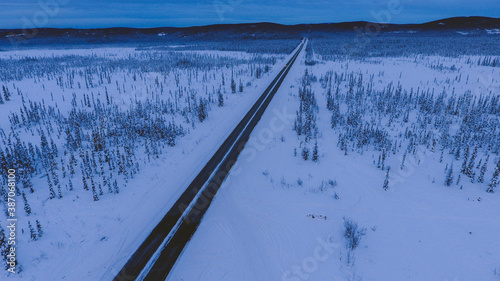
[
  {"x": 470, "y": 167},
  {"x": 59, "y": 192},
  {"x": 202, "y": 111},
  {"x": 329, "y": 100},
  {"x": 464, "y": 164},
  {"x": 457, "y": 153},
  {"x": 383, "y": 159},
  {"x": 29, "y": 184},
  {"x": 449, "y": 176},
  {"x": 233, "y": 84},
  {"x": 386, "y": 181},
  {"x": 494, "y": 179},
  {"x": 403, "y": 161},
  {"x": 39, "y": 228},
  {"x": 85, "y": 185},
  {"x": 94, "y": 194},
  {"x": 110, "y": 189},
  {"x": 72, "y": 163},
  {"x": 305, "y": 153},
  {"x": 100, "y": 189},
  {"x": 4, "y": 247},
  {"x": 6, "y": 93},
  {"x": 480, "y": 179},
  {"x": 315, "y": 153},
  {"x": 105, "y": 183},
  {"x": 220, "y": 98},
  {"x": 115, "y": 186},
  {"x": 27, "y": 207},
  {"x": 51, "y": 189},
  {"x": 33, "y": 233}
]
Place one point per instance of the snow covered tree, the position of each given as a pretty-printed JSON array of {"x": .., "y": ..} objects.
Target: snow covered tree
[
  {"x": 33, "y": 233},
  {"x": 202, "y": 111},
  {"x": 85, "y": 185},
  {"x": 70, "y": 184},
  {"x": 383, "y": 160},
  {"x": 51, "y": 189},
  {"x": 305, "y": 153},
  {"x": 220, "y": 98},
  {"x": 470, "y": 167},
  {"x": 115, "y": 186},
  {"x": 28, "y": 184},
  {"x": 403, "y": 161},
  {"x": 484, "y": 167},
  {"x": 39, "y": 228},
  {"x": 72, "y": 164},
  {"x": 315, "y": 155},
  {"x": 6, "y": 93},
  {"x": 464, "y": 164},
  {"x": 241, "y": 87},
  {"x": 105, "y": 183},
  {"x": 449, "y": 176},
  {"x": 233, "y": 84},
  {"x": 94, "y": 192},
  {"x": 494, "y": 180},
  {"x": 4, "y": 247},
  {"x": 101, "y": 192},
  {"x": 329, "y": 100},
  {"x": 59, "y": 192},
  {"x": 27, "y": 207},
  {"x": 386, "y": 181}
]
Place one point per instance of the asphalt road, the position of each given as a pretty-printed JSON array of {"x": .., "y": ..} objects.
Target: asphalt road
[{"x": 158, "y": 253}]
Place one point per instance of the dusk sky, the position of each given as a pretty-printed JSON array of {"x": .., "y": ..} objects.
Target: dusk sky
[{"x": 156, "y": 13}]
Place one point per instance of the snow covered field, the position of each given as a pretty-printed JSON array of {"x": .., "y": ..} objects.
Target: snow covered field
[
  {"x": 84, "y": 239},
  {"x": 319, "y": 157},
  {"x": 279, "y": 217}
]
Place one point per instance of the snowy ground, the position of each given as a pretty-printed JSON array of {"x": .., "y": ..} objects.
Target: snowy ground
[
  {"x": 277, "y": 217},
  {"x": 86, "y": 240}
]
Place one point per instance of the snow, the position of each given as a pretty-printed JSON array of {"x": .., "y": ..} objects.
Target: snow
[
  {"x": 276, "y": 217},
  {"x": 114, "y": 52},
  {"x": 493, "y": 31},
  {"x": 44, "y": 53},
  {"x": 87, "y": 240},
  {"x": 260, "y": 225}
]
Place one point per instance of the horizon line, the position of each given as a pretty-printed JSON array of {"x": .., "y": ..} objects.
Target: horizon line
[{"x": 247, "y": 23}]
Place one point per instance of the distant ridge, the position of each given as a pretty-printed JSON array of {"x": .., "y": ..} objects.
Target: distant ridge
[
  {"x": 480, "y": 25},
  {"x": 463, "y": 23}
]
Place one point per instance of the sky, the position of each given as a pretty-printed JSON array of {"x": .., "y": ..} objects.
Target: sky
[{"x": 179, "y": 13}]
